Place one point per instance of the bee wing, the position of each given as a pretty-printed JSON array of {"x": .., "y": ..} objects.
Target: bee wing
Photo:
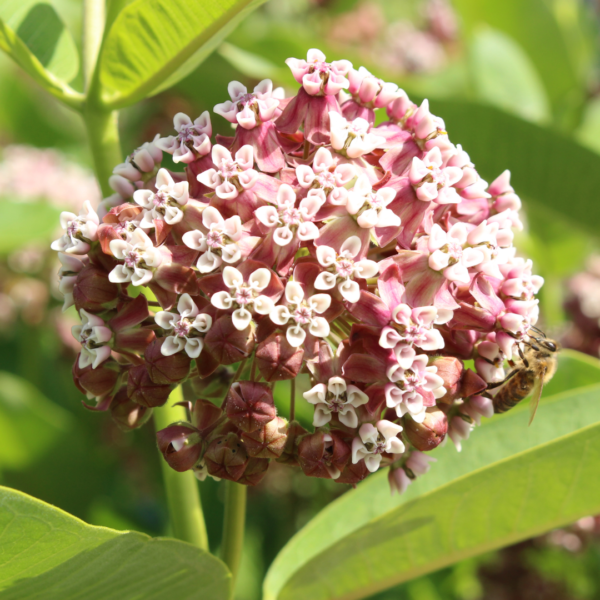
[{"x": 536, "y": 395}]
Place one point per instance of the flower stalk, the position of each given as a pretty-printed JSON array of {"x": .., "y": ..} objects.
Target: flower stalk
[
  {"x": 183, "y": 496},
  {"x": 233, "y": 526}
]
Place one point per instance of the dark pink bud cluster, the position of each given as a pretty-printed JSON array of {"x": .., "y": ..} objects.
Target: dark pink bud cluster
[{"x": 373, "y": 258}]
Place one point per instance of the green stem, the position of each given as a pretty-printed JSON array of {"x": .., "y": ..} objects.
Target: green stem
[
  {"x": 94, "y": 17},
  {"x": 233, "y": 526},
  {"x": 183, "y": 496}
]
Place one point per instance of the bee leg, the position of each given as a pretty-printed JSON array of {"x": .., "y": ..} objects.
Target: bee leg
[
  {"x": 525, "y": 361},
  {"x": 491, "y": 386}
]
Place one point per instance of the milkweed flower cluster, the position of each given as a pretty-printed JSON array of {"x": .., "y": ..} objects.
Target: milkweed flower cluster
[{"x": 374, "y": 259}]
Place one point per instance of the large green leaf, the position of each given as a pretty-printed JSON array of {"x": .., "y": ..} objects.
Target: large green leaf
[
  {"x": 510, "y": 482},
  {"x": 154, "y": 43},
  {"x": 35, "y": 37},
  {"x": 22, "y": 223},
  {"x": 503, "y": 75},
  {"x": 547, "y": 167},
  {"x": 29, "y": 423},
  {"x": 47, "y": 554}
]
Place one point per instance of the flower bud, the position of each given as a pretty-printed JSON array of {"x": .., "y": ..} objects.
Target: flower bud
[
  {"x": 180, "y": 444},
  {"x": 93, "y": 291},
  {"x": 215, "y": 385},
  {"x": 323, "y": 455},
  {"x": 250, "y": 405},
  {"x": 277, "y": 359},
  {"x": 143, "y": 391},
  {"x": 268, "y": 441},
  {"x": 353, "y": 473},
  {"x": 166, "y": 369},
  {"x": 289, "y": 455},
  {"x": 398, "y": 480},
  {"x": 471, "y": 384},
  {"x": 205, "y": 416},
  {"x": 430, "y": 433},
  {"x": 255, "y": 471},
  {"x": 450, "y": 369},
  {"x": 226, "y": 344},
  {"x": 226, "y": 457},
  {"x": 99, "y": 381},
  {"x": 126, "y": 413}
]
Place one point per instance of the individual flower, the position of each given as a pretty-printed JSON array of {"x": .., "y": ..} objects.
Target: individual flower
[
  {"x": 186, "y": 325},
  {"x": 337, "y": 397},
  {"x": 80, "y": 231},
  {"x": 303, "y": 312},
  {"x": 70, "y": 267},
  {"x": 369, "y": 207},
  {"x": 244, "y": 295},
  {"x": 192, "y": 140},
  {"x": 164, "y": 204},
  {"x": 219, "y": 243},
  {"x": 431, "y": 181},
  {"x": 94, "y": 336},
  {"x": 342, "y": 269},
  {"x": 352, "y": 138},
  {"x": 375, "y": 440},
  {"x": 368, "y": 92},
  {"x": 449, "y": 254},
  {"x": 139, "y": 258},
  {"x": 417, "y": 464},
  {"x": 231, "y": 176},
  {"x": 288, "y": 221},
  {"x": 414, "y": 327},
  {"x": 319, "y": 78},
  {"x": 250, "y": 109},
  {"x": 327, "y": 176}
]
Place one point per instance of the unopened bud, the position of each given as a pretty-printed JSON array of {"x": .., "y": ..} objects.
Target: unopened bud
[
  {"x": 180, "y": 444},
  {"x": 430, "y": 433},
  {"x": 227, "y": 344},
  {"x": 93, "y": 291},
  {"x": 126, "y": 413},
  {"x": 205, "y": 416},
  {"x": 353, "y": 473},
  {"x": 226, "y": 457},
  {"x": 99, "y": 381},
  {"x": 323, "y": 455},
  {"x": 143, "y": 391},
  {"x": 268, "y": 441},
  {"x": 255, "y": 471},
  {"x": 166, "y": 369},
  {"x": 250, "y": 405},
  {"x": 450, "y": 369},
  {"x": 277, "y": 359}
]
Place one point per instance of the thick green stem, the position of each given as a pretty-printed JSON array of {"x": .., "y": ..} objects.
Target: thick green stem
[
  {"x": 103, "y": 137},
  {"x": 94, "y": 17},
  {"x": 183, "y": 496},
  {"x": 233, "y": 526}
]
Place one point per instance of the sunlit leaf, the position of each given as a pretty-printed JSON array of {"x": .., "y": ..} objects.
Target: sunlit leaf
[
  {"x": 29, "y": 423},
  {"x": 47, "y": 553},
  {"x": 510, "y": 482},
  {"x": 152, "y": 44},
  {"x": 504, "y": 76}
]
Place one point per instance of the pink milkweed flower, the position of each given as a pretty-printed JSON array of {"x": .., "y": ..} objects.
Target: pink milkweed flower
[
  {"x": 374, "y": 440},
  {"x": 352, "y": 138},
  {"x": 432, "y": 181},
  {"x": 369, "y": 207},
  {"x": 249, "y": 110},
  {"x": 94, "y": 336},
  {"x": 244, "y": 295},
  {"x": 192, "y": 140},
  {"x": 341, "y": 269},
  {"x": 186, "y": 326},
  {"x": 139, "y": 258},
  {"x": 319, "y": 78},
  {"x": 327, "y": 176},
  {"x": 490, "y": 364},
  {"x": 288, "y": 221},
  {"x": 164, "y": 204},
  {"x": 231, "y": 176},
  {"x": 417, "y": 464},
  {"x": 220, "y": 242},
  {"x": 140, "y": 164},
  {"x": 337, "y": 397},
  {"x": 80, "y": 231},
  {"x": 302, "y": 311},
  {"x": 414, "y": 327},
  {"x": 449, "y": 255}
]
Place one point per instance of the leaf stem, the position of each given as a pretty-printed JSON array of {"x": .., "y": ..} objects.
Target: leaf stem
[
  {"x": 94, "y": 18},
  {"x": 233, "y": 526},
  {"x": 183, "y": 496},
  {"x": 292, "y": 399}
]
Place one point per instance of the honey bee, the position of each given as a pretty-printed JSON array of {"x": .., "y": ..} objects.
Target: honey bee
[{"x": 537, "y": 366}]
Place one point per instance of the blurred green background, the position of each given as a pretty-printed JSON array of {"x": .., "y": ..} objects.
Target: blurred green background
[{"x": 536, "y": 60}]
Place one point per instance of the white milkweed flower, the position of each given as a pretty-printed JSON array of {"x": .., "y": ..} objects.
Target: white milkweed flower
[
  {"x": 80, "y": 230},
  {"x": 139, "y": 258},
  {"x": 374, "y": 440},
  {"x": 93, "y": 336}
]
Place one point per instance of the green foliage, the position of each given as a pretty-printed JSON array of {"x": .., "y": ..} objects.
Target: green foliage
[
  {"x": 150, "y": 41},
  {"x": 511, "y": 482},
  {"x": 30, "y": 424},
  {"x": 47, "y": 553},
  {"x": 40, "y": 219},
  {"x": 36, "y": 38}
]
